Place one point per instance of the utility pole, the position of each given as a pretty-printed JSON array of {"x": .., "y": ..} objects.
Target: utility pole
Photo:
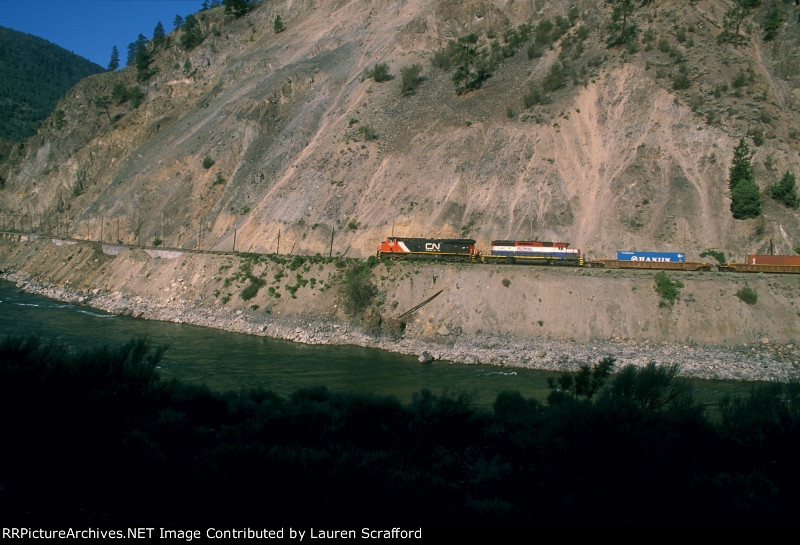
[{"x": 278, "y": 251}]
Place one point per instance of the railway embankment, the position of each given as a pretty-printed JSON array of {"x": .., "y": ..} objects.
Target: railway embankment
[{"x": 514, "y": 316}]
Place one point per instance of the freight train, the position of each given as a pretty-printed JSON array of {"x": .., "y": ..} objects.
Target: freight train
[{"x": 559, "y": 253}]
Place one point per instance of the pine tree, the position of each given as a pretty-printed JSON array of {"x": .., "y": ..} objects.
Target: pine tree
[
  {"x": 621, "y": 28},
  {"x": 192, "y": 35},
  {"x": 142, "y": 61},
  {"x": 772, "y": 24},
  {"x": 103, "y": 102},
  {"x": 745, "y": 194},
  {"x": 278, "y": 25},
  {"x": 746, "y": 201},
  {"x": 733, "y": 20},
  {"x": 159, "y": 35},
  {"x": 237, "y": 7},
  {"x": 741, "y": 167},
  {"x": 113, "y": 64},
  {"x": 785, "y": 191}
]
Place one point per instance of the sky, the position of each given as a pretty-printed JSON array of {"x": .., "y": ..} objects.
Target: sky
[{"x": 91, "y": 28}]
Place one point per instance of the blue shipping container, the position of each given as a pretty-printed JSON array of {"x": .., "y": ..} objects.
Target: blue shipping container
[{"x": 662, "y": 257}]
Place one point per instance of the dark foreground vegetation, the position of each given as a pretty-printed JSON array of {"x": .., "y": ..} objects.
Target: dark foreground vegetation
[{"x": 96, "y": 438}]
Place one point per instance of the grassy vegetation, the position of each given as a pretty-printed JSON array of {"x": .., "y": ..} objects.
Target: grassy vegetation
[
  {"x": 136, "y": 449},
  {"x": 357, "y": 289},
  {"x": 668, "y": 289}
]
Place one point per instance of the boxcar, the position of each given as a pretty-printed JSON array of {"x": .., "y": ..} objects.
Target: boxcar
[
  {"x": 780, "y": 260},
  {"x": 765, "y": 264}
]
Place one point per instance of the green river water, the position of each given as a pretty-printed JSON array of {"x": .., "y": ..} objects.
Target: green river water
[{"x": 233, "y": 361}]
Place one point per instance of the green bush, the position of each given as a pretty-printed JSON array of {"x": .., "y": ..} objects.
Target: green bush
[
  {"x": 681, "y": 81},
  {"x": 357, "y": 290},
  {"x": 410, "y": 78},
  {"x": 252, "y": 289},
  {"x": 535, "y": 95},
  {"x": 297, "y": 262},
  {"x": 366, "y": 133},
  {"x": 668, "y": 289},
  {"x": 748, "y": 295},
  {"x": 123, "y": 94},
  {"x": 719, "y": 256},
  {"x": 208, "y": 162},
  {"x": 555, "y": 79},
  {"x": 380, "y": 72}
]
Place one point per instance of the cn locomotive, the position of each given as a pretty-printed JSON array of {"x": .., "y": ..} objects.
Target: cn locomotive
[
  {"x": 440, "y": 249},
  {"x": 560, "y": 253}
]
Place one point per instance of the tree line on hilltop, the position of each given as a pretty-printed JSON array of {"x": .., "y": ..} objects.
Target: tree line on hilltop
[{"x": 34, "y": 75}]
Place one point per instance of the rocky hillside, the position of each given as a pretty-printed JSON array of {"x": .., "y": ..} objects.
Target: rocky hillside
[
  {"x": 284, "y": 138},
  {"x": 348, "y": 125}
]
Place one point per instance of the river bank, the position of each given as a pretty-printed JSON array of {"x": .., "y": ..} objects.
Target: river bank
[{"x": 191, "y": 289}]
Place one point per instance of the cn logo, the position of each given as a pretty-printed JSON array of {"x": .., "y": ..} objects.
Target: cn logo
[{"x": 433, "y": 246}]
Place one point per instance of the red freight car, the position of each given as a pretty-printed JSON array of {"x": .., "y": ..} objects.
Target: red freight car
[
  {"x": 765, "y": 263},
  {"x": 782, "y": 260}
]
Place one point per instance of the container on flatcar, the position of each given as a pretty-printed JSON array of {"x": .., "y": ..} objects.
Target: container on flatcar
[
  {"x": 782, "y": 260},
  {"x": 657, "y": 257}
]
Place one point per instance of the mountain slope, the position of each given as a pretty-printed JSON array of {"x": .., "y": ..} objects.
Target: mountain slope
[
  {"x": 284, "y": 143},
  {"x": 34, "y": 75}
]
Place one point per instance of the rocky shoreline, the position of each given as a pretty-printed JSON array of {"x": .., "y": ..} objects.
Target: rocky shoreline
[{"x": 763, "y": 361}]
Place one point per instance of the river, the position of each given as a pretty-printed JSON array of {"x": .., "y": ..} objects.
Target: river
[{"x": 233, "y": 361}]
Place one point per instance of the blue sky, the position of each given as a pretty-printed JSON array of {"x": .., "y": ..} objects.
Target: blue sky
[{"x": 91, "y": 28}]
